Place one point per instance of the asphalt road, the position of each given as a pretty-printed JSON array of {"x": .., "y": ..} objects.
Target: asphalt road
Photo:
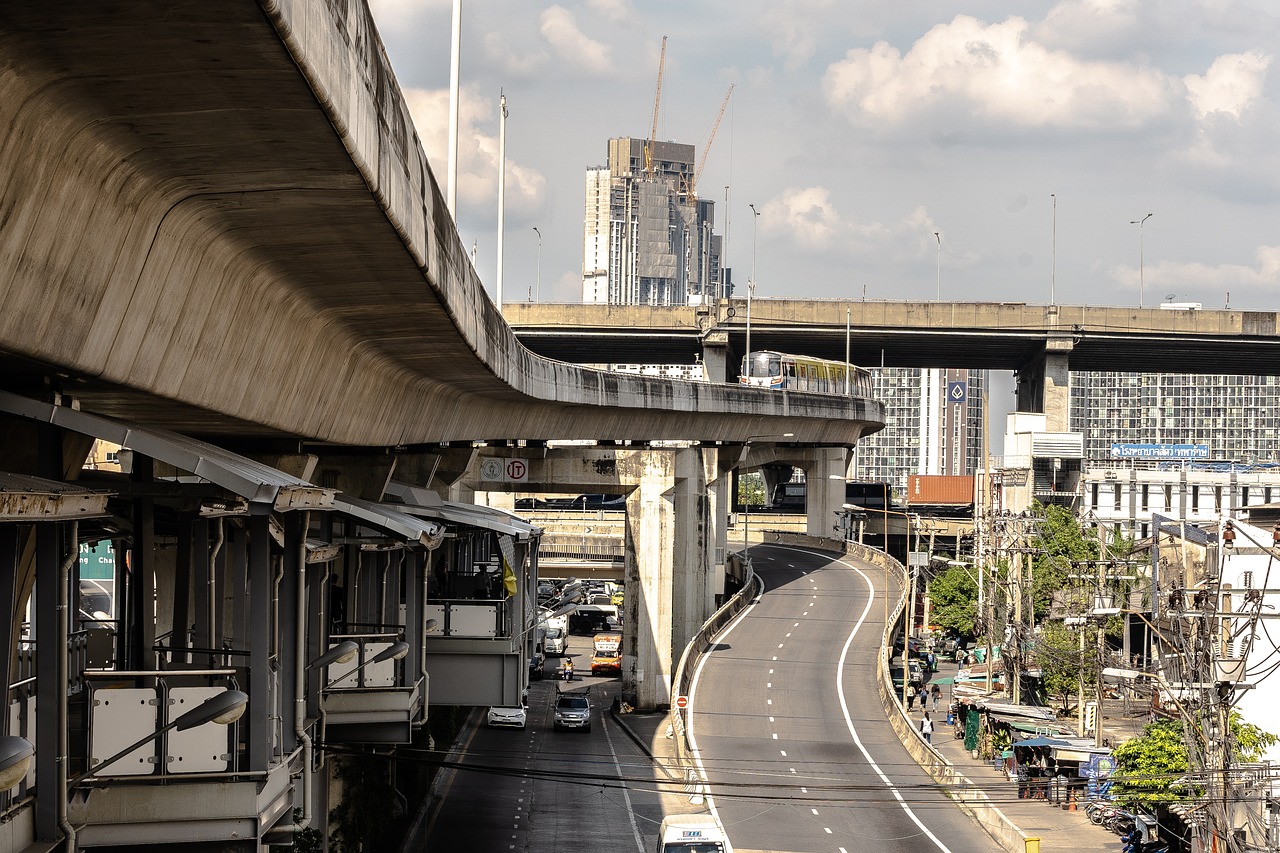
[
  {"x": 791, "y": 732},
  {"x": 545, "y": 791}
]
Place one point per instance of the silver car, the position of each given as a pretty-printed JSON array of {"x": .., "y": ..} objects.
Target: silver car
[{"x": 573, "y": 711}]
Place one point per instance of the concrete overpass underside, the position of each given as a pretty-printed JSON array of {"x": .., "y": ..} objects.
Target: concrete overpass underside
[{"x": 218, "y": 219}]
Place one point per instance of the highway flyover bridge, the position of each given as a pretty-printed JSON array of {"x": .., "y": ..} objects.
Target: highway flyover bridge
[{"x": 224, "y": 250}]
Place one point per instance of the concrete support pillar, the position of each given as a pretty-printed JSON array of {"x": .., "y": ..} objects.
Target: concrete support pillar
[
  {"x": 666, "y": 568},
  {"x": 1044, "y": 385},
  {"x": 716, "y": 355},
  {"x": 824, "y": 489},
  {"x": 720, "y": 495}
]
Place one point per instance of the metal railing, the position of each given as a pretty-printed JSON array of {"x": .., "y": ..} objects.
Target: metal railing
[
  {"x": 697, "y": 647},
  {"x": 471, "y": 617}
]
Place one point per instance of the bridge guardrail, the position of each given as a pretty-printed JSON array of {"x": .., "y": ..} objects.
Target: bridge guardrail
[
  {"x": 972, "y": 799},
  {"x": 697, "y": 647}
]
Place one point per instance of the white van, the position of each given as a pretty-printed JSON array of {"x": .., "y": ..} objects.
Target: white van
[
  {"x": 556, "y": 642},
  {"x": 692, "y": 833}
]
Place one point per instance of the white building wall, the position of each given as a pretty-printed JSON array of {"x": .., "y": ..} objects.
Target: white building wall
[{"x": 1260, "y": 704}]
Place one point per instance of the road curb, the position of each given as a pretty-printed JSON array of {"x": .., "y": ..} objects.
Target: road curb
[{"x": 639, "y": 742}]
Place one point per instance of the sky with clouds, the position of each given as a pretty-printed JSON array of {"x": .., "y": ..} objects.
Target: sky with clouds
[{"x": 1028, "y": 135}]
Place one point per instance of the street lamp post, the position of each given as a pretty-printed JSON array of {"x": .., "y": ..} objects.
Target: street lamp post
[
  {"x": 938, "y": 236},
  {"x": 502, "y": 191},
  {"x": 537, "y": 291},
  {"x": 1053, "y": 253},
  {"x": 751, "y": 285},
  {"x": 451, "y": 184},
  {"x": 1141, "y": 255}
]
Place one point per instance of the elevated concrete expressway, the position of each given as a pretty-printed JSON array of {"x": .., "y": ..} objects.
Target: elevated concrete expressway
[
  {"x": 1039, "y": 342},
  {"x": 218, "y": 219}
]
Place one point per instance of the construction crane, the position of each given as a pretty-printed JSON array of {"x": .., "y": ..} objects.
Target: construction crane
[
  {"x": 657, "y": 100},
  {"x": 702, "y": 161}
]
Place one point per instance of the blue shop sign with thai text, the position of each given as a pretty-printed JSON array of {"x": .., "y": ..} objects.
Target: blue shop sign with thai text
[{"x": 1159, "y": 451}]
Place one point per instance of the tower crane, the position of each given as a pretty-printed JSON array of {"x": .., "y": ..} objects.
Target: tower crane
[
  {"x": 702, "y": 161},
  {"x": 657, "y": 100}
]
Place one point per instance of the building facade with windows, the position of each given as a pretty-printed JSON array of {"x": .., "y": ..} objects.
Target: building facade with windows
[
  {"x": 647, "y": 238},
  {"x": 1237, "y": 417},
  {"x": 933, "y": 425},
  {"x": 1186, "y": 447}
]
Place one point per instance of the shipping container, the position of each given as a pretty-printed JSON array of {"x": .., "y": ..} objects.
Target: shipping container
[{"x": 939, "y": 490}]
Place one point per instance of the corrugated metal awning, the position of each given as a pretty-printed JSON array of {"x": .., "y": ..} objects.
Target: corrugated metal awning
[
  {"x": 253, "y": 481},
  {"x": 392, "y": 519},
  {"x": 28, "y": 499},
  {"x": 425, "y": 502}
]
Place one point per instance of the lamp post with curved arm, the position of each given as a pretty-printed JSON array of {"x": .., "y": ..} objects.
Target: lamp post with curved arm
[
  {"x": 1141, "y": 255},
  {"x": 751, "y": 287},
  {"x": 537, "y": 280}
]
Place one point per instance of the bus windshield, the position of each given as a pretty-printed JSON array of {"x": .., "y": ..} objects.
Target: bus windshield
[{"x": 765, "y": 364}]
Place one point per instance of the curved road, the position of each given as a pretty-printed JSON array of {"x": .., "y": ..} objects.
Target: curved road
[{"x": 790, "y": 730}]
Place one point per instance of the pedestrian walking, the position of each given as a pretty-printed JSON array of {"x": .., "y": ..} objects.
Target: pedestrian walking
[
  {"x": 911, "y": 696},
  {"x": 926, "y": 728},
  {"x": 936, "y": 692}
]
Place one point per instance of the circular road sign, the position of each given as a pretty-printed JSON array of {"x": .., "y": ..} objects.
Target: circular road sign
[{"x": 682, "y": 702}]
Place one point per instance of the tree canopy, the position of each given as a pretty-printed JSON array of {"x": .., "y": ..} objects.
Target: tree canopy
[
  {"x": 954, "y": 595},
  {"x": 1148, "y": 767}
]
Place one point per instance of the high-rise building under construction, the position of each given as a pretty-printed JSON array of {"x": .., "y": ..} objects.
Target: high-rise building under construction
[{"x": 648, "y": 238}]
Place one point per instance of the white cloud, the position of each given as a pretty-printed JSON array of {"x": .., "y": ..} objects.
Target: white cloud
[
  {"x": 559, "y": 27},
  {"x": 1199, "y": 282},
  {"x": 510, "y": 60},
  {"x": 401, "y": 14},
  {"x": 794, "y": 27},
  {"x": 1232, "y": 83},
  {"x": 808, "y": 217},
  {"x": 617, "y": 11},
  {"x": 477, "y": 150},
  {"x": 807, "y": 214},
  {"x": 1091, "y": 27},
  {"x": 995, "y": 72}
]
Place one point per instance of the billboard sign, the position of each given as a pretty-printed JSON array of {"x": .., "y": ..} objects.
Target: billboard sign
[{"x": 1159, "y": 451}]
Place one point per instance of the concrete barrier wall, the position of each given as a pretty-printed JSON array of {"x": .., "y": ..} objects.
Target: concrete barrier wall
[{"x": 698, "y": 646}]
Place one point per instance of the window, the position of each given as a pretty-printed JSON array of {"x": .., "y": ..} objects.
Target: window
[{"x": 1117, "y": 498}]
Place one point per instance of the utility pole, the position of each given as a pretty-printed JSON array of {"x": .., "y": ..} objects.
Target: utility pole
[{"x": 1102, "y": 631}]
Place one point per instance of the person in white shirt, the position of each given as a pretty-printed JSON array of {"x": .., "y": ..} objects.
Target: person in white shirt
[{"x": 926, "y": 728}]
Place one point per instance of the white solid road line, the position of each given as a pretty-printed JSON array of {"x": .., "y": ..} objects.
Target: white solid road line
[
  {"x": 693, "y": 693},
  {"x": 626, "y": 794},
  {"x": 844, "y": 705}
]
